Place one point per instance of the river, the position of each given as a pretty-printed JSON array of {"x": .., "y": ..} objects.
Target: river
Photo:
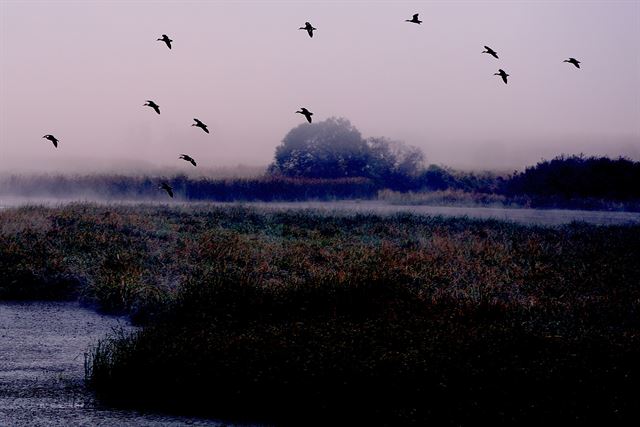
[
  {"x": 545, "y": 217},
  {"x": 42, "y": 346}
]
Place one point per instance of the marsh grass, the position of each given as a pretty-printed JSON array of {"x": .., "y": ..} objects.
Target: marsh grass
[
  {"x": 450, "y": 197},
  {"x": 307, "y": 318}
]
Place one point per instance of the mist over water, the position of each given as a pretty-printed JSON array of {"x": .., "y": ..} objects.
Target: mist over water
[{"x": 545, "y": 217}]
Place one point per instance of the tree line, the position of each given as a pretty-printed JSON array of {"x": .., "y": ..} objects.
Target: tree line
[{"x": 331, "y": 160}]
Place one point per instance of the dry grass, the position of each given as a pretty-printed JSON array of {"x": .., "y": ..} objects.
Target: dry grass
[{"x": 297, "y": 317}]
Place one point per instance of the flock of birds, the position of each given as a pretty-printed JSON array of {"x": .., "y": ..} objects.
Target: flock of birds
[{"x": 304, "y": 111}]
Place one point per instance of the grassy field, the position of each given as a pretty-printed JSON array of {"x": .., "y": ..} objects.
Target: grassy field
[{"x": 307, "y": 318}]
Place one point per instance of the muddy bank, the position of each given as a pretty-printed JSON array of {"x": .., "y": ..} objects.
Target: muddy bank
[{"x": 42, "y": 346}]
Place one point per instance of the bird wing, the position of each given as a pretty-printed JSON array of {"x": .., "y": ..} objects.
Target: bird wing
[
  {"x": 193, "y": 162},
  {"x": 415, "y": 17},
  {"x": 310, "y": 31},
  {"x": 166, "y": 187},
  {"x": 157, "y": 108},
  {"x": 491, "y": 51},
  {"x": 55, "y": 143},
  {"x": 504, "y": 77},
  {"x": 204, "y": 128},
  {"x": 308, "y": 116}
]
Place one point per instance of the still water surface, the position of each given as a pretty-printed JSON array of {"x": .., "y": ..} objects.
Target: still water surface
[
  {"x": 546, "y": 217},
  {"x": 42, "y": 346}
]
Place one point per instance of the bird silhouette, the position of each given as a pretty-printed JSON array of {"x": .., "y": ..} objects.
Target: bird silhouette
[
  {"x": 502, "y": 74},
  {"x": 415, "y": 19},
  {"x": 309, "y": 28},
  {"x": 201, "y": 125},
  {"x": 166, "y": 187},
  {"x": 490, "y": 52},
  {"x": 153, "y": 105},
  {"x": 166, "y": 39},
  {"x": 188, "y": 158},
  {"x": 305, "y": 113},
  {"x": 52, "y": 139},
  {"x": 573, "y": 61}
]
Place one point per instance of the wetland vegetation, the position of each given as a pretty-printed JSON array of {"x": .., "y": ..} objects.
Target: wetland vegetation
[{"x": 304, "y": 317}]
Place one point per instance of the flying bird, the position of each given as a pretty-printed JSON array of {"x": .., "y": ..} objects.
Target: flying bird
[
  {"x": 201, "y": 125},
  {"x": 502, "y": 74},
  {"x": 490, "y": 52},
  {"x": 573, "y": 61},
  {"x": 52, "y": 139},
  {"x": 166, "y": 187},
  {"x": 166, "y": 39},
  {"x": 153, "y": 105},
  {"x": 309, "y": 28},
  {"x": 305, "y": 113},
  {"x": 188, "y": 158},
  {"x": 415, "y": 19}
]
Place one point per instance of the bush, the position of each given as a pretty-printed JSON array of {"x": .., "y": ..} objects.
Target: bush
[{"x": 578, "y": 177}]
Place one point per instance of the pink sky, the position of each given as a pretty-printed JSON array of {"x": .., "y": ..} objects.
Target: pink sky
[{"x": 81, "y": 70}]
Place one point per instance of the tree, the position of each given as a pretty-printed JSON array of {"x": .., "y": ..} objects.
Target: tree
[
  {"x": 394, "y": 156},
  {"x": 578, "y": 177},
  {"x": 333, "y": 148}
]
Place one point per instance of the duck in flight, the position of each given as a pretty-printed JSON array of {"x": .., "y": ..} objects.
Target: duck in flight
[
  {"x": 166, "y": 39},
  {"x": 502, "y": 74},
  {"x": 52, "y": 139},
  {"x": 573, "y": 61},
  {"x": 415, "y": 19},
  {"x": 153, "y": 105},
  {"x": 201, "y": 125},
  {"x": 188, "y": 158},
  {"x": 305, "y": 113},
  {"x": 166, "y": 187},
  {"x": 490, "y": 52},
  {"x": 309, "y": 28}
]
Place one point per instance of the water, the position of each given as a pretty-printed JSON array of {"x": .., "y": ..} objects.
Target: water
[
  {"x": 546, "y": 217},
  {"x": 42, "y": 346}
]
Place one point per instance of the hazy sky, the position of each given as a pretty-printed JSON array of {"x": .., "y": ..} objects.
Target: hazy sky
[{"x": 82, "y": 70}]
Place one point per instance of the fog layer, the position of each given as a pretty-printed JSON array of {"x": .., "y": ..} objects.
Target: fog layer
[{"x": 83, "y": 70}]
